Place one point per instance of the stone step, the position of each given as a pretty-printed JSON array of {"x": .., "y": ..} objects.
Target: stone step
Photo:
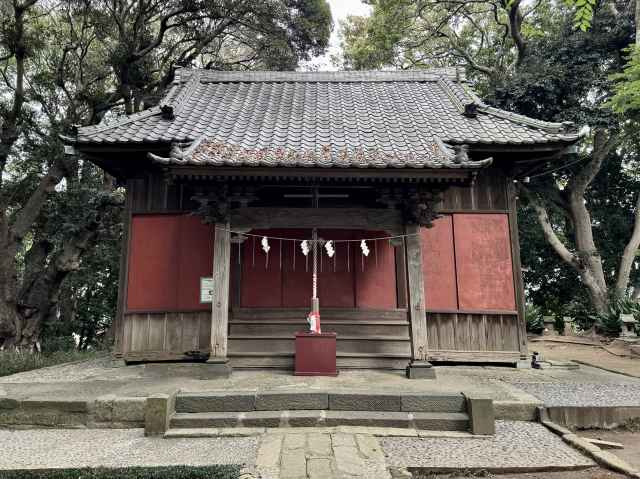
[
  {"x": 311, "y": 418},
  {"x": 242, "y": 401}
]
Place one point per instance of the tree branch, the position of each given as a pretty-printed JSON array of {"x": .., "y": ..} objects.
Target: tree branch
[{"x": 629, "y": 253}]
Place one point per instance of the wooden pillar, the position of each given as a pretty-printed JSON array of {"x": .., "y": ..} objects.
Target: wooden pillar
[
  {"x": 401, "y": 272},
  {"x": 220, "y": 296},
  {"x": 517, "y": 268},
  {"x": 419, "y": 368}
]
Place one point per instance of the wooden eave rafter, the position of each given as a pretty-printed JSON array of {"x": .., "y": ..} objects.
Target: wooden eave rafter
[{"x": 350, "y": 175}]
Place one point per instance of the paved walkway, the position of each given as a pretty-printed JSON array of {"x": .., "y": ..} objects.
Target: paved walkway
[
  {"x": 317, "y": 455},
  {"x": 292, "y": 453}
]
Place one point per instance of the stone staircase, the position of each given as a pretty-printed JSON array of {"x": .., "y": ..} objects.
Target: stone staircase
[{"x": 196, "y": 412}]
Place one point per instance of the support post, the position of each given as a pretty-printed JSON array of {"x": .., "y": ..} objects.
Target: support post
[
  {"x": 419, "y": 368},
  {"x": 401, "y": 272},
  {"x": 220, "y": 298},
  {"x": 517, "y": 270}
]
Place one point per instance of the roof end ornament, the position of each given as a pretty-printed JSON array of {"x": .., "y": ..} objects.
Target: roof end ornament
[
  {"x": 167, "y": 112},
  {"x": 471, "y": 110},
  {"x": 462, "y": 154}
]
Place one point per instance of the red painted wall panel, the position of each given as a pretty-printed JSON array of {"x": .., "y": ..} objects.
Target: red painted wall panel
[
  {"x": 169, "y": 254},
  {"x": 291, "y": 286},
  {"x": 376, "y": 283},
  {"x": 335, "y": 278},
  {"x": 296, "y": 278},
  {"x": 483, "y": 259},
  {"x": 196, "y": 260},
  {"x": 261, "y": 275},
  {"x": 153, "y": 261},
  {"x": 439, "y": 266}
]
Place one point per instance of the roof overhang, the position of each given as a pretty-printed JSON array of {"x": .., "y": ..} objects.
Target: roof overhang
[{"x": 319, "y": 175}]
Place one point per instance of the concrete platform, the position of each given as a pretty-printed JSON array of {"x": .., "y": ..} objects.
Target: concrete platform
[{"x": 94, "y": 394}]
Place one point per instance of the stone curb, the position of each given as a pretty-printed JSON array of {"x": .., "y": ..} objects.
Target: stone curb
[
  {"x": 593, "y": 365},
  {"x": 373, "y": 431},
  {"x": 604, "y": 458}
]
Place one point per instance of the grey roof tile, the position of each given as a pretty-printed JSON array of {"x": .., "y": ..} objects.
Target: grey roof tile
[{"x": 331, "y": 119}]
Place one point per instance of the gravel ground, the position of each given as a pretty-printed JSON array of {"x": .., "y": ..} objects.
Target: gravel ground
[
  {"x": 36, "y": 449},
  {"x": 516, "y": 444},
  {"x": 592, "y": 473},
  {"x": 589, "y": 394}
]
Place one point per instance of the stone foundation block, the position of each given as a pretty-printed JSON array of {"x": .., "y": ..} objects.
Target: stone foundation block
[
  {"x": 61, "y": 405},
  {"x": 302, "y": 418},
  {"x": 8, "y": 403},
  {"x": 129, "y": 409},
  {"x": 291, "y": 401},
  {"x": 481, "y": 415},
  {"x": 213, "y": 370},
  {"x": 261, "y": 419},
  {"x": 367, "y": 418},
  {"x": 364, "y": 402},
  {"x": 426, "y": 403},
  {"x": 450, "y": 421},
  {"x": 421, "y": 370},
  {"x": 202, "y": 402},
  {"x": 159, "y": 408}
]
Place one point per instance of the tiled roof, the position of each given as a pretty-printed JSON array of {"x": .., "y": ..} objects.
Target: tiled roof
[{"x": 331, "y": 119}]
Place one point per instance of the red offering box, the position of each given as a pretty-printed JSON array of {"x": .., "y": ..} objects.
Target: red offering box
[{"x": 315, "y": 354}]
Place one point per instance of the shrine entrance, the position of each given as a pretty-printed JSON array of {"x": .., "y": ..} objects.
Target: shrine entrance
[{"x": 360, "y": 264}]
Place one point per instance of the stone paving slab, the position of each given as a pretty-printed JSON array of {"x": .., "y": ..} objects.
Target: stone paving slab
[
  {"x": 60, "y": 448},
  {"x": 516, "y": 445}
]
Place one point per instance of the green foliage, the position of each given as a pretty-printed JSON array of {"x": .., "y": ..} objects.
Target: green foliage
[
  {"x": 610, "y": 322},
  {"x": 12, "y": 362},
  {"x": 533, "y": 318},
  {"x": 583, "y": 13},
  {"x": 171, "y": 472},
  {"x": 627, "y": 88}
]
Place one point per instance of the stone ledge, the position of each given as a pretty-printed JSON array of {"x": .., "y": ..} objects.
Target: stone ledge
[{"x": 274, "y": 401}]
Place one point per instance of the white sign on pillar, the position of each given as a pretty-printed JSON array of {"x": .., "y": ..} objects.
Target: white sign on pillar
[{"x": 206, "y": 290}]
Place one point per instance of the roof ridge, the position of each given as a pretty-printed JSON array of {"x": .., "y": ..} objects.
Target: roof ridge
[
  {"x": 432, "y": 74},
  {"x": 551, "y": 127}
]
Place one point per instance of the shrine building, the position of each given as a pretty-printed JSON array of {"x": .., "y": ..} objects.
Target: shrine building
[{"x": 232, "y": 171}]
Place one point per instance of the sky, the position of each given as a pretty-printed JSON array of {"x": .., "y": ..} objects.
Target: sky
[{"x": 339, "y": 10}]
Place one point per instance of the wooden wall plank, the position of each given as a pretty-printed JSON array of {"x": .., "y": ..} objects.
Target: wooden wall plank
[{"x": 156, "y": 332}]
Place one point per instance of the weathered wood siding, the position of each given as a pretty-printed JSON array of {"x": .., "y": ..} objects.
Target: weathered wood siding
[
  {"x": 460, "y": 336},
  {"x": 165, "y": 336}
]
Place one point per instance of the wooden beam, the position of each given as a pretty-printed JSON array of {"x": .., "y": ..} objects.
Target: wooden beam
[
  {"x": 415, "y": 281},
  {"x": 220, "y": 297},
  {"x": 343, "y": 218}
]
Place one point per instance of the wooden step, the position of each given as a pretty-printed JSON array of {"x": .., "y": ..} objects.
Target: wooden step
[
  {"x": 328, "y": 313},
  {"x": 341, "y": 328},
  {"x": 363, "y": 345},
  {"x": 285, "y": 360}
]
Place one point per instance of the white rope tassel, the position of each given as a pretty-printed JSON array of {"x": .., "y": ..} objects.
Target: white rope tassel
[{"x": 265, "y": 248}]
